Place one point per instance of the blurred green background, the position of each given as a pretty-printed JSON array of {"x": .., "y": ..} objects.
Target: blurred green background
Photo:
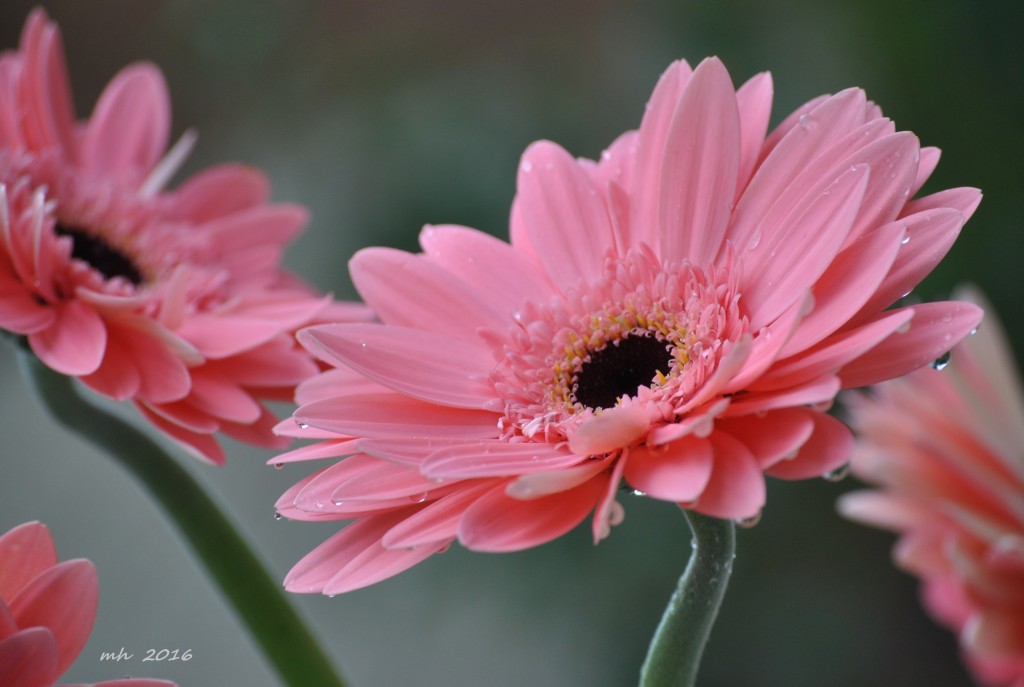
[{"x": 382, "y": 116}]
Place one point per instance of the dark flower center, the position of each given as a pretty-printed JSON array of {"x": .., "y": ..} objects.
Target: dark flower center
[
  {"x": 106, "y": 259},
  {"x": 619, "y": 369}
]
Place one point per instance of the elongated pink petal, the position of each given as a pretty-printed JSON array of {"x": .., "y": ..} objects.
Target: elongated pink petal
[
  {"x": 29, "y": 658},
  {"x": 220, "y": 191},
  {"x": 698, "y": 183},
  {"x": 818, "y": 390},
  {"x": 500, "y": 273},
  {"x": 788, "y": 266},
  {"x": 201, "y": 445},
  {"x": 893, "y": 162},
  {"x": 49, "y": 90},
  {"x": 927, "y": 163},
  {"x": 563, "y": 214},
  {"x": 829, "y": 447},
  {"x": 129, "y": 128},
  {"x": 63, "y": 599},
  {"x": 31, "y": 545},
  {"x": 325, "y": 449},
  {"x": 537, "y": 484},
  {"x": 222, "y": 398},
  {"x": 497, "y": 459},
  {"x": 497, "y": 523},
  {"x": 76, "y": 342},
  {"x": 390, "y": 415},
  {"x": 754, "y": 100},
  {"x": 426, "y": 297},
  {"x": 736, "y": 488},
  {"x": 431, "y": 367},
  {"x": 674, "y": 472},
  {"x": 934, "y": 330},
  {"x": 879, "y": 509},
  {"x": 384, "y": 481},
  {"x": 437, "y": 522}
]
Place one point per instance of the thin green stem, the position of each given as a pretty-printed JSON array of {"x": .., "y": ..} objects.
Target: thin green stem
[
  {"x": 674, "y": 654},
  {"x": 260, "y": 602}
]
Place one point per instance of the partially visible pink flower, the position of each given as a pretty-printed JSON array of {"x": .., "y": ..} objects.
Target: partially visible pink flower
[
  {"x": 946, "y": 450},
  {"x": 47, "y": 610},
  {"x": 172, "y": 299},
  {"x": 672, "y": 319}
]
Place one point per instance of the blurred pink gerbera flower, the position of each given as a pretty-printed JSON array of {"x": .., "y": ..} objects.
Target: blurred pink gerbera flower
[
  {"x": 674, "y": 317},
  {"x": 47, "y": 610},
  {"x": 947, "y": 451},
  {"x": 174, "y": 300}
]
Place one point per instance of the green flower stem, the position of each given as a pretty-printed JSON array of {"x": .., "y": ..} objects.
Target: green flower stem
[
  {"x": 677, "y": 645},
  {"x": 260, "y": 601}
]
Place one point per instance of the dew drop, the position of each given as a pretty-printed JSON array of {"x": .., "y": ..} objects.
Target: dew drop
[
  {"x": 942, "y": 361},
  {"x": 973, "y": 331},
  {"x": 903, "y": 328},
  {"x": 749, "y": 522},
  {"x": 418, "y": 498},
  {"x": 527, "y": 166},
  {"x": 839, "y": 474},
  {"x": 301, "y": 425},
  {"x": 905, "y": 240},
  {"x": 278, "y": 516},
  {"x": 637, "y": 492},
  {"x": 279, "y": 466},
  {"x": 330, "y": 596},
  {"x": 754, "y": 240}
]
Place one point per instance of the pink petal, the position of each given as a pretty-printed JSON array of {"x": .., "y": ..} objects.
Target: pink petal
[
  {"x": 934, "y": 330},
  {"x": 381, "y": 481},
  {"x": 609, "y": 512},
  {"x": 829, "y": 447},
  {"x": 847, "y": 283},
  {"x": 157, "y": 373},
  {"x": 501, "y": 274},
  {"x": 202, "y": 446},
  {"x": 498, "y": 523},
  {"x": 26, "y": 551},
  {"x": 768, "y": 345},
  {"x": 497, "y": 459},
  {"x": 736, "y": 488},
  {"x": 730, "y": 364},
  {"x": 700, "y": 167},
  {"x": 610, "y": 429},
  {"x": 390, "y": 415},
  {"x": 20, "y": 312},
  {"x": 220, "y": 336},
  {"x": 259, "y": 432},
  {"x": 277, "y": 363},
  {"x": 883, "y": 510},
  {"x": 436, "y": 523},
  {"x": 537, "y": 484},
  {"x": 927, "y": 163},
  {"x": 48, "y": 90},
  {"x": 966, "y": 200},
  {"x": 129, "y": 127},
  {"x": 29, "y": 658},
  {"x": 219, "y": 191},
  {"x": 354, "y": 558},
  {"x": 674, "y": 472},
  {"x": 819, "y": 390},
  {"x": 221, "y": 397},
  {"x": 256, "y": 227},
  {"x": 893, "y": 162},
  {"x": 563, "y": 213},
  {"x": 75, "y": 343},
  {"x": 406, "y": 451},
  {"x": 772, "y": 436},
  {"x": 754, "y": 100},
  {"x": 318, "y": 451},
  {"x": 785, "y": 265},
  {"x": 63, "y": 599},
  {"x": 421, "y": 364},
  {"x": 929, "y": 236},
  {"x": 995, "y": 634},
  {"x": 426, "y": 297},
  {"x": 650, "y": 153}
]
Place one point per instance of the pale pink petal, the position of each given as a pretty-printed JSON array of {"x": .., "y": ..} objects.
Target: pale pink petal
[
  {"x": 63, "y": 599},
  {"x": 537, "y": 484},
  {"x": 772, "y": 436},
  {"x": 220, "y": 336},
  {"x": 259, "y": 432},
  {"x": 49, "y": 90},
  {"x": 335, "y": 383},
  {"x": 650, "y": 153},
  {"x": 119, "y": 376},
  {"x": 784, "y": 266},
  {"x": 75, "y": 343},
  {"x": 257, "y": 226},
  {"x": 325, "y": 449},
  {"x": 29, "y": 658},
  {"x": 437, "y": 522},
  {"x": 879, "y": 509},
  {"x": 430, "y": 367},
  {"x": 818, "y": 390},
  {"x": 382, "y": 481},
  {"x": 966, "y": 200},
  {"x": 769, "y": 344},
  {"x": 847, "y": 283},
  {"x": 699, "y": 171},
  {"x": 893, "y": 162},
  {"x": 353, "y": 558},
  {"x": 927, "y": 163},
  {"x": 276, "y": 363},
  {"x": 995, "y": 634},
  {"x": 496, "y": 522},
  {"x": 202, "y": 446},
  {"x": 609, "y": 429},
  {"x": 405, "y": 451},
  {"x": 426, "y": 297},
  {"x": 129, "y": 128},
  {"x": 730, "y": 364},
  {"x": 934, "y": 330},
  {"x": 736, "y": 489},
  {"x": 674, "y": 472},
  {"x": 219, "y": 191},
  {"x": 390, "y": 415},
  {"x": 828, "y": 449},
  {"x": 609, "y": 511},
  {"x": 754, "y": 100},
  {"x": 497, "y": 459},
  {"x": 563, "y": 214},
  {"x": 157, "y": 374},
  {"x": 31, "y": 547},
  {"x": 500, "y": 273},
  {"x": 20, "y": 312},
  {"x": 222, "y": 398}
]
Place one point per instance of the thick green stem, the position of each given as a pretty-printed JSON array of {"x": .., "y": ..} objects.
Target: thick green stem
[
  {"x": 260, "y": 601},
  {"x": 677, "y": 645}
]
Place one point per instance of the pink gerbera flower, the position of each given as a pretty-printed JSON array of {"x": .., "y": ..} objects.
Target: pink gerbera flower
[
  {"x": 174, "y": 300},
  {"x": 47, "y": 610},
  {"x": 672, "y": 319},
  {"x": 947, "y": 451}
]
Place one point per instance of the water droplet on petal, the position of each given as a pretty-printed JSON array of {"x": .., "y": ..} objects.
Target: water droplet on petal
[
  {"x": 839, "y": 474},
  {"x": 527, "y": 166},
  {"x": 278, "y": 516},
  {"x": 942, "y": 361},
  {"x": 279, "y": 466},
  {"x": 749, "y": 522},
  {"x": 418, "y": 498},
  {"x": 302, "y": 425},
  {"x": 637, "y": 492},
  {"x": 905, "y": 240}
]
